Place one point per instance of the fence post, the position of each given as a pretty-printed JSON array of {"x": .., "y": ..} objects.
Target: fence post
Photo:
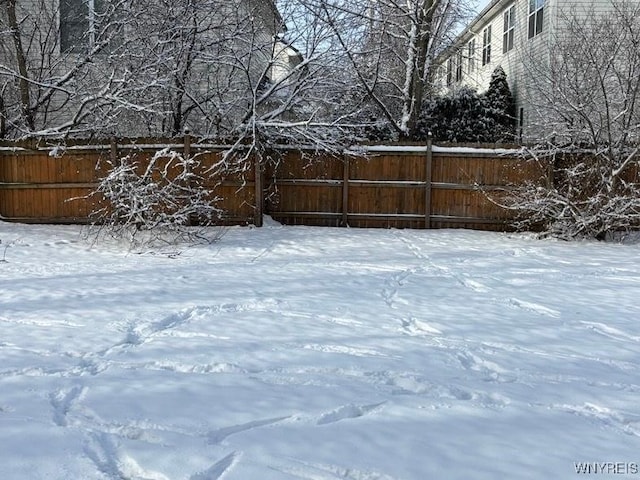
[
  {"x": 259, "y": 192},
  {"x": 428, "y": 178},
  {"x": 187, "y": 144},
  {"x": 113, "y": 151},
  {"x": 345, "y": 191},
  {"x": 551, "y": 171},
  {"x": 192, "y": 218}
]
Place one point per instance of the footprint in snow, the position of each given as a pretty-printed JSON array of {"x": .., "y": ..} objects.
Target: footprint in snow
[
  {"x": 218, "y": 469},
  {"x": 217, "y": 436},
  {"x": 346, "y": 412},
  {"x": 63, "y": 400},
  {"x": 107, "y": 454}
]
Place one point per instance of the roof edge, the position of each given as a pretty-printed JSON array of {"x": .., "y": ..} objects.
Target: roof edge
[{"x": 470, "y": 27}]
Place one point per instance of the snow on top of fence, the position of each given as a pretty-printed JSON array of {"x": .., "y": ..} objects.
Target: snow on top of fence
[
  {"x": 352, "y": 150},
  {"x": 56, "y": 150},
  {"x": 471, "y": 150},
  {"x": 12, "y": 149},
  {"x": 435, "y": 149}
]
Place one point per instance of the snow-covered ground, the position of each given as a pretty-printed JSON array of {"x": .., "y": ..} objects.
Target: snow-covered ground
[{"x": 318, "y": 353}]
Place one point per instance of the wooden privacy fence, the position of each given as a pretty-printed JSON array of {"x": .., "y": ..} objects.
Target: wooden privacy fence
[
  {"x": 52, "y": 185},
  {"x": 401, "y": 187}
]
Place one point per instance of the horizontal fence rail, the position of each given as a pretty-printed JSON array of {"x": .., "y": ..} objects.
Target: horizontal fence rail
[{"x": 389, "y": 186}]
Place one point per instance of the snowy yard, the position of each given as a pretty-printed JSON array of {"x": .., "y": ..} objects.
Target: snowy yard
[{"x": 311, "y": 353}]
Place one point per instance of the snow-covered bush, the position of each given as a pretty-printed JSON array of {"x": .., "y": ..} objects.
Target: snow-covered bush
[
  {"x": 587, "y": 195},
  {"x": 501, "y": 107},
  {"x": 164, "y": 199},
  {"x": 460, "y": 116},
  {"x": 466, "y": 116}
]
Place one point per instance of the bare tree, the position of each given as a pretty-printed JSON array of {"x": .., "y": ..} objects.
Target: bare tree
[
  {"x": 156, "y": 67},
  {"x": 587, "y": 96},
  {"x": 144, "y": 67},
  {"x": 389, "y": 48},
  {"x": 304, "y": 96},
  {"x": 21, "y": 61},
  {"x": 204, "y": 60},
  {"x": 60, "y": 72}
]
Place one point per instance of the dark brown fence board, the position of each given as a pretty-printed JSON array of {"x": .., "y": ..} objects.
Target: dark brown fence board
[
  {"x": 389, "y": 200},
  {"x": 388, "y": 167},
  {"x": 294, "y": 165}
]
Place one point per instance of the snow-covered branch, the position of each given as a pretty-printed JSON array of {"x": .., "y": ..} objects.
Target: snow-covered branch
[
  {"x": 587, "y": 96},
  {"x": 159, "y": 200}
]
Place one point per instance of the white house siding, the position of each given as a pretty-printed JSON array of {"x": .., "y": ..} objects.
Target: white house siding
[
  {"x": 537, "y": 58},
  {"x": 512, "y": 61},
  {"x": 285, "y": 59},
  {"x": 517, "y": 62}
]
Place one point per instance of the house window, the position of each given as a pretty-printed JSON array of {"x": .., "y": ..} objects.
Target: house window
[
  {"x": 471, "y": 55},
  {"x": 78, "y": 24},
  {"x": 536, "y": 16},
  {"x": 509, "y": 29},
  {"x": 449, "y": 72},
  {"x": 486, "y": 45},
  {"x": 459, "y": 66}
]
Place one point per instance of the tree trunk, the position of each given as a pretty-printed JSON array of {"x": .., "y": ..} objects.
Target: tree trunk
[
  {"x": 417, "y": 79},
  {"x": 3, "y": 125},
  {"x": 25, "y": 97}
]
